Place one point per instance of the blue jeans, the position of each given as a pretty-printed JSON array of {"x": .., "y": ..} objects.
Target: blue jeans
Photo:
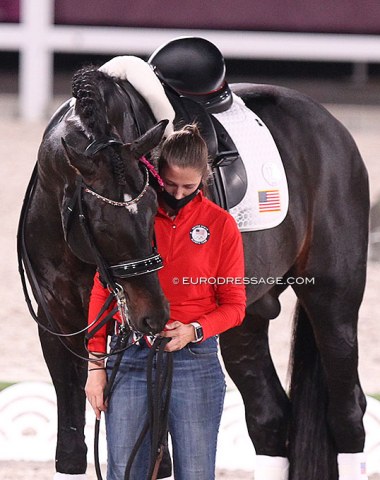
[{"x": 196, "y": 406}]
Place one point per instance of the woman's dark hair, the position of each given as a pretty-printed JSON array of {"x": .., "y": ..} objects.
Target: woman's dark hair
[{"x": 186, "y": 148}]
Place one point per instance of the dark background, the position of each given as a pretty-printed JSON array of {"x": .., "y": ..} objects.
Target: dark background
[
  {"x": 325, "y": 81},
  {"x": 333, "y": 16}
]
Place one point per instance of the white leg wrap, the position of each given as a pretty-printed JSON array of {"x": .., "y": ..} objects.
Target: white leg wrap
[
  {"x": 66, "y": 476},
  {"x": 352, "y": 466},
  {"x": 271, "y": 468}
]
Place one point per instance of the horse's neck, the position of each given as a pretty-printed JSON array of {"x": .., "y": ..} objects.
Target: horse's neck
[{"x": 140, "y": 112}]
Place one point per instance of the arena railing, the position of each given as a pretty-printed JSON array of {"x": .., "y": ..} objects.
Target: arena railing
[{"x": 37, "y": 38}]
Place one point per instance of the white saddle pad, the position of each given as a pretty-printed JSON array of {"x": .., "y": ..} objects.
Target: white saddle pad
[{"x": 266, "y": 201}]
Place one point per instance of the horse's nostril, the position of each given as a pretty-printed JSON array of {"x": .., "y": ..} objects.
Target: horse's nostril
[
  {"x": 148, "y": 325},
  {"x": 153, "y": 321}
]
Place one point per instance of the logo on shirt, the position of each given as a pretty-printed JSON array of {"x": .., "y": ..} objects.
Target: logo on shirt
[{"x": 199, "y": 234}]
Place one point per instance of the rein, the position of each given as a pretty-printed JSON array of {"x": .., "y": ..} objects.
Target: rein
[
  {"x": 158, "y": 395},
  {"x": 158, "y": 407},
  {"x": 24, "y": 260}
]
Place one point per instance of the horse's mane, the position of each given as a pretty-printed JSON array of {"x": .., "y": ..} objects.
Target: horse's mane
[{"x": 90, "y": 87}]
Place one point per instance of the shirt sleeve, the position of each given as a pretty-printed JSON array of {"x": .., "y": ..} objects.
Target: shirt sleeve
[
  {"x": 230, "y": 288},
  {"x": 98, "y": 296}
]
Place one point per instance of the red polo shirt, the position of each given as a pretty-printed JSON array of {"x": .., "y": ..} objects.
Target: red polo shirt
[{"x": 203, "y": 271}]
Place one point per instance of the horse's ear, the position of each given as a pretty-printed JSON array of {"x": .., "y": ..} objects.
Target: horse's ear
[
  {"x": 81, "y": 163},
  {"x": 150, "y": 139}
]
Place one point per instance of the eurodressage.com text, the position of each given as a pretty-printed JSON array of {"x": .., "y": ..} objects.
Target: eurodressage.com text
[{"x": 244, "y": 281}]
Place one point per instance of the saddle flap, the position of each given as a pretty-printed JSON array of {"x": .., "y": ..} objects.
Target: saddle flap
[
  {"x": 229, "y": 177},
  {"x": 189, "y": 111},
  {"x": 231, "y": 181},
  {"x": 232, "y": 178}
]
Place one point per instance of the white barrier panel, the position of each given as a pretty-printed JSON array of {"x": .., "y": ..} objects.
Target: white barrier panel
[
  {"x": 37, "y": 38},
  {"x": 28, "y": 423}
]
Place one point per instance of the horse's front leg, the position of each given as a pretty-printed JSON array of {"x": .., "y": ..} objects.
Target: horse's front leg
[
  {"x": 68, "y": 374},
  {"x": 247, "y": 358}
]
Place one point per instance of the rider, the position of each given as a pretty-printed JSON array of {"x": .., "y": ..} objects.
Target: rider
[
  {"x": 195, "y": 68},
  {"x": 202, "y": 279}
]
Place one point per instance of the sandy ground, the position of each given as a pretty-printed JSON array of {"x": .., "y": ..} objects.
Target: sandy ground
[
  {"x": 42, "y": 471},
  {"x": 21, "y": 354}
]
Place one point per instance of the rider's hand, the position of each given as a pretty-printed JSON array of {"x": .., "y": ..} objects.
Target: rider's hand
[
  {"x": 180, "y": 333},
  {"x": 95, "y": 385}
]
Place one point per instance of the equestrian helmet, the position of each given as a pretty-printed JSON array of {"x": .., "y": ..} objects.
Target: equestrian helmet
[{"x": 195, "y": 68}]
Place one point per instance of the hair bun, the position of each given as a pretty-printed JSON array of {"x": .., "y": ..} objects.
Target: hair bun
[{"x": 191, "y": 128}]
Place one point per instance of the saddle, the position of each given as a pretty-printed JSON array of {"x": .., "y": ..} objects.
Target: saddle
[{"x": 229, "y": 183}]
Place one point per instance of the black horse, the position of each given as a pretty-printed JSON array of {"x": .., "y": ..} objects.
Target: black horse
[
  {"x": 324, "y": 237},
  {"x": 89, "y": 203}
]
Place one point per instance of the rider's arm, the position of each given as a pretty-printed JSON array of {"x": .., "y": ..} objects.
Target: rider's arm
[
  {"x": 97, "y": 378},
  {"x": 99, "y": 295},
  {"x": 230, "y": 290}
]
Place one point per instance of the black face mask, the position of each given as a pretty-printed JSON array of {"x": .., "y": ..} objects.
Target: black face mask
[{"x": 176, "y": 203}]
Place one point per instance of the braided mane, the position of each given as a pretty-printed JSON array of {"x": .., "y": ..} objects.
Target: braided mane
[{"x": 88, "y": 86}]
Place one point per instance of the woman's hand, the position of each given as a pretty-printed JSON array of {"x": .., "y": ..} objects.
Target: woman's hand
[
  {"x": 95, "y": 385},
  {"x": 180, "y": 333}
]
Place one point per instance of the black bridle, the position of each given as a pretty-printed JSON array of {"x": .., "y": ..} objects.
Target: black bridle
[
  {"x": 127, "y": 269},
  {"x": 109, "y": 273}
]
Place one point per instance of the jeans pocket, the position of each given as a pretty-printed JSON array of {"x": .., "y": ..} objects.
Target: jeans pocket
[{"x": 207, "y": 348}]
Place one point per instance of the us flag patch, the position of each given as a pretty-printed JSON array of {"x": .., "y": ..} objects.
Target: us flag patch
[{"x": 269, "y": 201}]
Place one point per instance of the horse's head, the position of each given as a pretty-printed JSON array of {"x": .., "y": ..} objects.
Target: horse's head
[{"x": 118, "y": 206}]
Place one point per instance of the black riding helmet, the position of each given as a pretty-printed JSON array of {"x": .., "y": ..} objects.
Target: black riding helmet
[{"x": 195, "y": 68}]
